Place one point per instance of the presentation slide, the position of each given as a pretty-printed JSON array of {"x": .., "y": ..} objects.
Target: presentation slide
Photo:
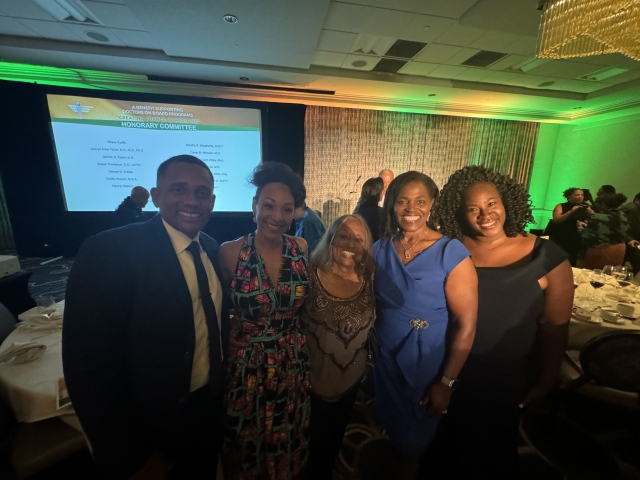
[{"x": 107, "y": 147}]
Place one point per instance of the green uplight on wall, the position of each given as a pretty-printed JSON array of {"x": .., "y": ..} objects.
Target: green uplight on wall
[{"x": 64, "y": 77}]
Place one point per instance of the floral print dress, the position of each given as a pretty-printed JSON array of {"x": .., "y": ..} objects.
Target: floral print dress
[{"x": 267, "y": 400}]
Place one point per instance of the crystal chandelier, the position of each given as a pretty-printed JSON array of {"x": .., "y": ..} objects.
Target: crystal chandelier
[{"x": 580, "y": 28}]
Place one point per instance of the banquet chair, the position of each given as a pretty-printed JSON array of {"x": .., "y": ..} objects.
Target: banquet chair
[
  {"x": 14, "y": 292},
  {"x": 609, "y": 361},
  {"x": 39, "y": 445},
  {"x": 7, "y": 322}
]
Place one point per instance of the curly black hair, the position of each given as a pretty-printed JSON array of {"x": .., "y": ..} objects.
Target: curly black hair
[
  {"x": 448, "y": 212},
  {"x": 569, "y": 191},
  {"x": 275, "y": 172},
  {"x": 389, "y": 225}
]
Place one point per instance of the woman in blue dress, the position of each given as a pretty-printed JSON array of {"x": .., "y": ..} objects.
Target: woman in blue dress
[{"x": 426, "y": 300}]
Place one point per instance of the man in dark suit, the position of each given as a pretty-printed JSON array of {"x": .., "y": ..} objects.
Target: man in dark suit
[{"x": 141, "y": 345}]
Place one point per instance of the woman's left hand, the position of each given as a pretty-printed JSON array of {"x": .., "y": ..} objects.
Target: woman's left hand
[{"x": 437, "y": 399}]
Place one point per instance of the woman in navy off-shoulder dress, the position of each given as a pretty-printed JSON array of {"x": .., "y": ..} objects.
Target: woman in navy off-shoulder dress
[{"x": 426, "y": 302}]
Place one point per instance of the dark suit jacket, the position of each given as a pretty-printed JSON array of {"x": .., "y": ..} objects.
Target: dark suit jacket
[{"x": 128, "y": 339}]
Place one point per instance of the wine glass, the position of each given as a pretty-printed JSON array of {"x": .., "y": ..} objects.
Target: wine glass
[
  {"x": 607, "y": 270},
  {"x": 597, "y": 280},
  {"x": 46, "y": 305},
  {"x": 619, "y": 269},
  {"x": 623, "y": 278}
]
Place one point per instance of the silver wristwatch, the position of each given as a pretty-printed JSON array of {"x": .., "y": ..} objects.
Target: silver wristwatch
[{"x": 452, "y": 384}]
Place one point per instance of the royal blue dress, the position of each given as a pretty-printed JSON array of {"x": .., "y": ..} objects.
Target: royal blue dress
[{"x": 412, "y": 319}]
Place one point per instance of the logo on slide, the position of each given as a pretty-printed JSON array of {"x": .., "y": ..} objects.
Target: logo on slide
[{"x": 79, "y": 108}]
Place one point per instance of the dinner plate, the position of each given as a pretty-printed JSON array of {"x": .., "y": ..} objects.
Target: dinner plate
[
  {"x": 591, "y": 319},
  {"x": 618, "y": 321}
]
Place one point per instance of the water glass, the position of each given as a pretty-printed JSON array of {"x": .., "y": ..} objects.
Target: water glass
[{"x": 46, "y": 305}]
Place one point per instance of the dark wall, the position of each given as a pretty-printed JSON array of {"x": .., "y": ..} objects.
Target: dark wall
[{"x": 41, "y": 225}]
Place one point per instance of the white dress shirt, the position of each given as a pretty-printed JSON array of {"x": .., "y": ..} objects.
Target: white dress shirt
[{"x": 180, "y": 242}]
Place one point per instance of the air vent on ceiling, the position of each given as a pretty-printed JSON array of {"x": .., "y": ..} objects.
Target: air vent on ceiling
[
  {"x": 405, "y": 49},
  {"x": 603, "y": 73},
  {"x": 483, "y": 58},
  {"x": 68, "y": 11},
  {"x": 529, "y": 64},
  {"x": 389, "y": 65}
]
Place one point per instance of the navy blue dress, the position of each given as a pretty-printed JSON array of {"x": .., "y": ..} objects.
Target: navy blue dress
[{"x": 412, "y": 319}]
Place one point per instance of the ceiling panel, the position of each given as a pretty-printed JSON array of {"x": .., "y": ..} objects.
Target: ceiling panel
[
  {"x": 460, "y": 35},
  {"x": 463, "y": 55},
  {"x": 436, "y": 53},
  {"x": 524, "y": 46},
  {"x": 520, "y": 17},
  {"x": 136, "y": 39},
  {"x": 440, "y": 8},
  {"x": 10, "y": 26},
  {"x": 283, "y": 33},
  {"x": 52, "y": 30},
  {"x": 370, "y": 62},
  {"x": 426, "y": 28},
  {"x": 333, "y": 41},
  {"x": 370, "y": 20},
  {"x": 113, "y": 15},
  {"x": 25, "y": 9},
  {"x": 564, "y": 69},
  {"x": 495, "y": 41},
  {"x": 328, "y": 59},
  {"x": 418, "y": 68},
  {"x": 472, "y": 74},
  {"x": 81, "y": 31},
  {"x": 507, "y": 62},
  {"x": 447, "y": 71}
]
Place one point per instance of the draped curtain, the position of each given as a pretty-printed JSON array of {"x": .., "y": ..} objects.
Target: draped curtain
[
  {"x": 344, "y": 147},
  {"x": 6, "y": 235}
]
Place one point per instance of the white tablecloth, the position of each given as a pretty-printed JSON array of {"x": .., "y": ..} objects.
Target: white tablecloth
[
  {"x": 32, "y": 388},
  {"x": 580, "y": 331}
]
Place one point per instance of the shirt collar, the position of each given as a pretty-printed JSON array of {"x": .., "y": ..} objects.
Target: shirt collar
[{"x": 179, "y": 240}]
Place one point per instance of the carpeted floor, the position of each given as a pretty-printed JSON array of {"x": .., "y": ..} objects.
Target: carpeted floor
[{"x": 366, "y": 453}]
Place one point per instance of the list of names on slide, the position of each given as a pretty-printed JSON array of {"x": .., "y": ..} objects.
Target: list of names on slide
[{"x": 100, "y": 164}]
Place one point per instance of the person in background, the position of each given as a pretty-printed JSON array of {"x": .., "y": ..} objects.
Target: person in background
[
  {"x": 141, "y": 344},
  {"x": 632, "y": 210},
  {"x": 308, "y": 225},
  {"x": 426, "y": 304},
  {"x": 369, "y": 210},
  {"x": 387, "y": 176},
  {"x": 130, "y": 210},
  {"x": 605, "y": 189},
  {"x": 588, "y": 197},
  {"x": 605, "y": 237},
  {"x": 525, "y": 296},
  {"x": 265, "y": 275},
  {"x": 336, "y": 318},
  {"x": 563, "y": 227}
]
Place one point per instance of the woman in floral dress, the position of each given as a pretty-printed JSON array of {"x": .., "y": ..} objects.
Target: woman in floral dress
[{"x": 267, "y": 400}]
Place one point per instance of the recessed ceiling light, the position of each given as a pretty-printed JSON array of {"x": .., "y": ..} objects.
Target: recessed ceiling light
[
  {"x": 359, "y": 63},
  {"x": 577, "y": 108},
  {"x": 431, "y": 95},
  {"x": 244, "y": 79},
  {"x": 98, "y": 37},
  {"x": 546, "y": 84},
  {"x": 230, "y": 19}
]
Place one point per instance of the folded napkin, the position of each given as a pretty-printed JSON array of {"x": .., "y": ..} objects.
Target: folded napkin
[
  {"x": 22, "y": 352},
  {"x": 41, "y": 319}
]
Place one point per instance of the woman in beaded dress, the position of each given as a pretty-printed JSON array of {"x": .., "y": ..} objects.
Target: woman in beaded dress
[
  {"x": 267, "y": 400},
  {"x": 337, "y": 316}
]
